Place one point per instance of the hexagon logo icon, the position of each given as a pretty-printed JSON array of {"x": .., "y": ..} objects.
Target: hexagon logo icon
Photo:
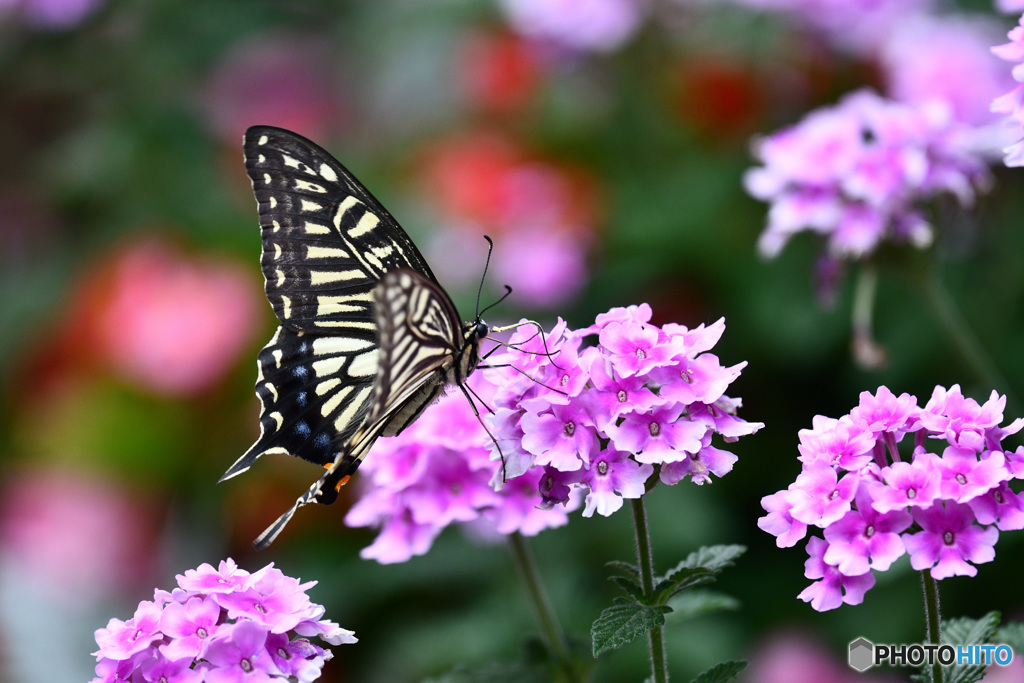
[{"x": 862, "y": 654}]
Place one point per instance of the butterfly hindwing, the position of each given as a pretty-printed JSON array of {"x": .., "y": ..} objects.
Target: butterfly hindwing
[
  {"x": 314, "y": 393},
  {"x": 422, "y": 350}
]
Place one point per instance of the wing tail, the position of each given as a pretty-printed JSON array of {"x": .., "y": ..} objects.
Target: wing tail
[{"x": 324, "y": 491}]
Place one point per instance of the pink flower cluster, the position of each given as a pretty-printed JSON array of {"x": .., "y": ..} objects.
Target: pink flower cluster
[
  {"x": 220, "y": 625},
  {"x": 436, "y": 472},
  {"x": 566, "y": 418},
  {"x": 944, "y": 505},
  {"x": 604, "y": 418},
  {"x": 1012, "y": 103},
  {"x": 858, "y": 171}
]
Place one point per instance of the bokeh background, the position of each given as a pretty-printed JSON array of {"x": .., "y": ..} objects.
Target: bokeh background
[{"x": 600, "y": 143}]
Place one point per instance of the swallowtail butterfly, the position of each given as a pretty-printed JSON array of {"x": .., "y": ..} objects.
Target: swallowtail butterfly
[{"x": 368, "y": 338}]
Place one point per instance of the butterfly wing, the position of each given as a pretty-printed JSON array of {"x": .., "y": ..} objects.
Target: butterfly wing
[
  {"x": 421, "y": 341},
  {"x": 327, "y": 242}
]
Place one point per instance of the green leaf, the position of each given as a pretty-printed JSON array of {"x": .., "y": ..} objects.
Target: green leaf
[
  {"x": 1012, "y": 634},
  {"x": 625, "y": 569},
  {"x": 623, "y": 622},
  {"x": 698, "y": 568},
  {"x": 720, "y": 673},
  {"x": 714, "y": 557},
  {"x": 964, "y": 631},
  {"x": 630, "y": 586},
  {"x": 679, "y": 580},
  {"x": 697, "y": 603}
]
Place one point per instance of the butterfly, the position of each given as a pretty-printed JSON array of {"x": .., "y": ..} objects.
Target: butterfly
[{"x": 367, "y": 339}]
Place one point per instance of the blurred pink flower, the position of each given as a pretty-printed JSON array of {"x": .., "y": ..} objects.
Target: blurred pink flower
[
  {"x": 278, "y": 80},
  {"x": 1010, "y": 6},
  {"x": 49, "y": 14},
  {"x": 175, "y": 323},
  {"x": 856, "y": 25},
  {"x": 1012, "y": 672},
  {"x": 599, "y": 25},
  {"x": 946, "y": 59},
  {"x": 800, "y": 658},
  {"x": 74, "y": 535}
]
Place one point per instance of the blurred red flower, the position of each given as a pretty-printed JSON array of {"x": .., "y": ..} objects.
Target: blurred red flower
[
  {"x": 542, "y": 215},
  {"x": 171, "y": 322},
  {"x": 499, "y": 71}
]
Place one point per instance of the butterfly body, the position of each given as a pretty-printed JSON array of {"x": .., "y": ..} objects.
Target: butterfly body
[{"x": 367, "y": 337}]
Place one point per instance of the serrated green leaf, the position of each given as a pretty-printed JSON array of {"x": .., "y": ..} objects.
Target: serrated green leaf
[
  {"x": 697, "y": 603},
  {"x": 624, "y": 569},
  {"x": 1012, "y": 634},
  {"x": 721, "y": 673},
  {"x": 623, "y": 622},
  {"x": 965, "y": 631},
  {"x": 679, "y": 580},
  {"x": 714, "y": 557},
  {"x": 630, "y": 586}
]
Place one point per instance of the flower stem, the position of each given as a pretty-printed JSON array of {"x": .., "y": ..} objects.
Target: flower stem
[
  {"x": 868, "y": 354},
  {"x": 551, "y": 630},
  {"x": 659, "y": 658},
  {"x": 932, "y": 618},
  {"x": 966, "y": 342}
]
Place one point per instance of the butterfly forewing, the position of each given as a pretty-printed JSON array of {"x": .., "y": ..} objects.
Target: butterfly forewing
[
  {"x": 326, "y": 244},
  {"x": 367, "y": 338},
  {"x": 326, "y": 240}
]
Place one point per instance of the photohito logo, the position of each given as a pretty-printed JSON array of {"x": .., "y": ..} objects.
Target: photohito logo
[{"x": 864, "y": 654}]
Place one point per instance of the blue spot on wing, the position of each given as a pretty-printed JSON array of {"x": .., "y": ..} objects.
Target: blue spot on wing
[
  {"x": 302, "y": 428},
  {"x": 322, "y": 442},
  {"x": 300, "y": 399},
  {"x": 300, "y": 371}
]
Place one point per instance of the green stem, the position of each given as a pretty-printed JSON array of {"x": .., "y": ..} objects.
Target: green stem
[
  {"x": 966, "y": 342},
  {"x": 868, "y": 354},
  {"x": 932, "y": 618},
  {"x": 551, "y": 630},
  {"x": 659, "y": 659}
]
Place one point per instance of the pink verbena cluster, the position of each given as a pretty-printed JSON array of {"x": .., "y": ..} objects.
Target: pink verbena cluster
[
  {"x": 944, "y": 505},
  {"x": 1012, "y": 103},
  {"x": 601, "y": 418},
  {"x": 221, "y": 625},
  {"x": 857, "y": 173},
  {"x": 437, "y": 472},
  {"x": 566, "y": 418}
]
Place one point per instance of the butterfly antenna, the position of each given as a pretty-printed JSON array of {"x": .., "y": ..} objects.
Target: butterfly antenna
[{"x": 487, "y": 263}]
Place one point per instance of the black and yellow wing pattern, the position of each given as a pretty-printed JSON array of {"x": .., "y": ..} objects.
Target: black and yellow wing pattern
[{"x": 367, "y": 337}]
